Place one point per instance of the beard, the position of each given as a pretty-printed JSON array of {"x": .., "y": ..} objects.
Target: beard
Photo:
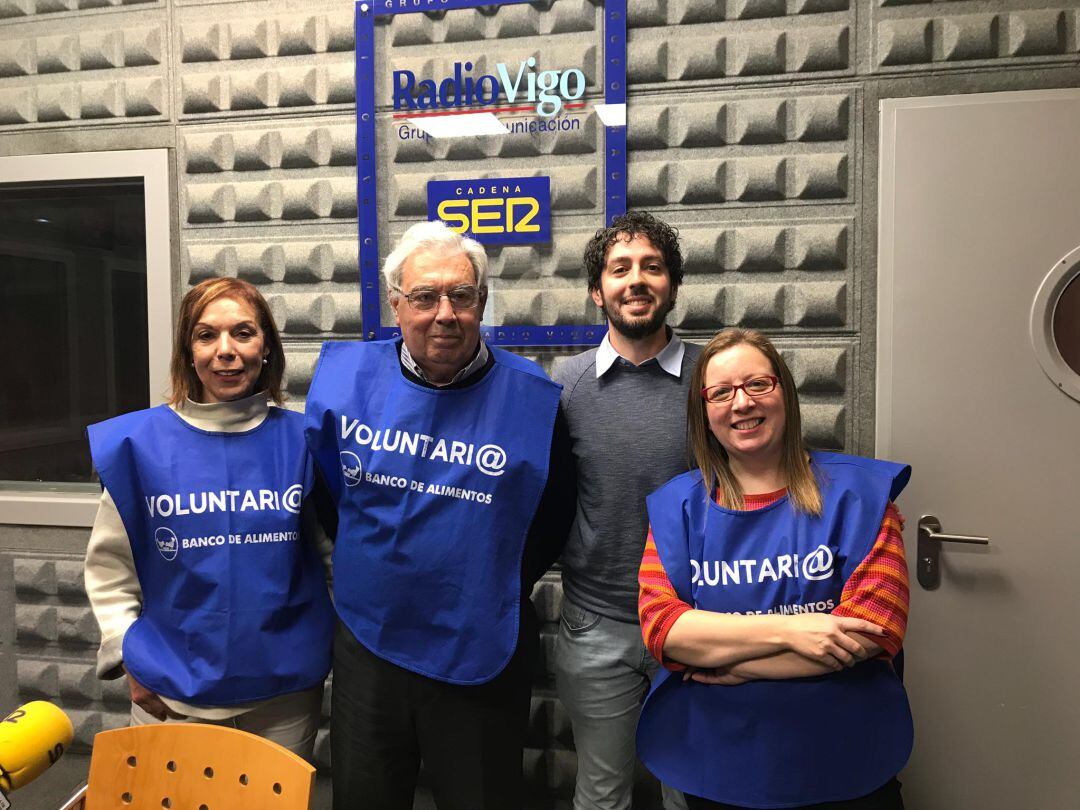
[{"x": 640, "y": 326}]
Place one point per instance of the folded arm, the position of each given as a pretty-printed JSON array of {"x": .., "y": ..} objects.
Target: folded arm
[
  {"x": 733, "y": 649},
  {"x": 782, "y": 666},
  {"x": 677, "y": 634}
]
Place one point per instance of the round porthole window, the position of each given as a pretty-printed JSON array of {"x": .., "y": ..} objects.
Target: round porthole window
[{"x": 1055, "y": 324}]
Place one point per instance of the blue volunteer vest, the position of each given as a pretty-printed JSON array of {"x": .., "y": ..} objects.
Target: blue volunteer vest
[
  {"x": 235, "y": 604},
  {"x": 436, "y": 490},
  {"x": 776, "y": 743}
]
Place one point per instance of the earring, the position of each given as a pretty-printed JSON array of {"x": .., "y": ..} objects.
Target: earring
[
  {"x": 193, "y": 365},
  {"x": 264, "y": 361}
]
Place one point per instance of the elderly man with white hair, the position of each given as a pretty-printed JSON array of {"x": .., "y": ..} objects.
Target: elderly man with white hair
[{"x": 437, "y": 449}]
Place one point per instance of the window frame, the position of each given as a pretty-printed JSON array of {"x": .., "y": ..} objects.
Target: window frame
[
  {"x": 1062, "y": 275},
  {"x": 58, "y": 504}
]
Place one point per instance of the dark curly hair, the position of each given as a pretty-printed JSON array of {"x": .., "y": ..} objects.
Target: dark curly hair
[{"x": 626, "y": 227}]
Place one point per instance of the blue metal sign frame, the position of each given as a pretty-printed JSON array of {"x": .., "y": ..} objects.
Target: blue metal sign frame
[{"x": 614, "y": 34}]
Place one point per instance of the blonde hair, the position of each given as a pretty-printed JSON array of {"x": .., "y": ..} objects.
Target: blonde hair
[
  {"x": 185, "y": 382},
  {"x": 710, "y": 456}
]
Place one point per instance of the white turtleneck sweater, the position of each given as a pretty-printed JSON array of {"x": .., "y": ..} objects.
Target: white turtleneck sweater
[{"x": 111, "y": 581}]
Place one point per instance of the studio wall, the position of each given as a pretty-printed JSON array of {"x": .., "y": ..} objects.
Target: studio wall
[{"x": 752, "y": 126}]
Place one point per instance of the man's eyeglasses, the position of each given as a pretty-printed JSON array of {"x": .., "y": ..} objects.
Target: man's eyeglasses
[
  {"x": 757, "y": 387},
  {"x": 425, "y": 299}
]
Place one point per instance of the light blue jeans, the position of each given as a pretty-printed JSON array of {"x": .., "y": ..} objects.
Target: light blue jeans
[{"x": 602, "y": 672}]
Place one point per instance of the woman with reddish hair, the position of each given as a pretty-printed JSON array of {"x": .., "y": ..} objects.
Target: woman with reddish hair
[
  {"x": 202, "y": 567},
  {"x": 774, "y": 591}
]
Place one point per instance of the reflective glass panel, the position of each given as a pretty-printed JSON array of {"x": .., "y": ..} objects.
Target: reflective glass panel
[
  {"x": 1067, "y": 324},
  {"x": 72, "y": 322}
]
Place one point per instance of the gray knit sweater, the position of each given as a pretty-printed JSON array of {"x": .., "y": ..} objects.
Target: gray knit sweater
[{"x": 628, "y": 436}]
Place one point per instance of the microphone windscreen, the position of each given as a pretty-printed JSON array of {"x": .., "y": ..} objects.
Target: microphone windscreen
[{"x": 31, "y": 739}]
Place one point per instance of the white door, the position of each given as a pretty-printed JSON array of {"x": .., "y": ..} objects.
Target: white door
[{"x": 979, "y": 201}]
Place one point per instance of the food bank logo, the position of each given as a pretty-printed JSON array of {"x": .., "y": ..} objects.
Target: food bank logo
[
  {"x": 167, "y": 544},
  {"x": 546, "y": 91},
  {"x": 351, "y": 468}
]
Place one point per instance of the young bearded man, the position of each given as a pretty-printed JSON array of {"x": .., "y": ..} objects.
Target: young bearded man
[{"x": 625, "y": 402}]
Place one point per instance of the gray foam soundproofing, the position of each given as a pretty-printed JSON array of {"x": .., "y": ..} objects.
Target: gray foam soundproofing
[{"x": 752, "y": 127}]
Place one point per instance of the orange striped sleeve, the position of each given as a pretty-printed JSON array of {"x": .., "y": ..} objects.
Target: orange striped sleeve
[
  {"x": 877, "y": 590},
  {"x": 658, "y": 604}
]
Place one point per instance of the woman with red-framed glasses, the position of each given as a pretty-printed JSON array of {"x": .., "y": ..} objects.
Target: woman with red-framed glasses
[{"x": 774, "y": 591}]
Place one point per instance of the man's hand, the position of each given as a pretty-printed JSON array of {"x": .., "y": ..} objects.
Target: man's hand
[{"x": 149, "y": 701}]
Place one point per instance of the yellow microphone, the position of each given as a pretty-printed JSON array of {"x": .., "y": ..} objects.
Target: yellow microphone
[{"x": 31, "y": 739}]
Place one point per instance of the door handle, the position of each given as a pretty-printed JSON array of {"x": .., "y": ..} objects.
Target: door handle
[{"x": 931, "y": 537}]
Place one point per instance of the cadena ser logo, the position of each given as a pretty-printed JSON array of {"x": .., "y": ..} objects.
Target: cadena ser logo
[
  {"x": 495, "y": 211},
  {"x": 546, "y": 91}
]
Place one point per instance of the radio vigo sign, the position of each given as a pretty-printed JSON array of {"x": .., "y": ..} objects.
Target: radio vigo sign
[{"x": 469, "y": 115}]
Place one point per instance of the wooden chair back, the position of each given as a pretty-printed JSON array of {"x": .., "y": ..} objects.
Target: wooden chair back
[{"x": 195, "y": 766}]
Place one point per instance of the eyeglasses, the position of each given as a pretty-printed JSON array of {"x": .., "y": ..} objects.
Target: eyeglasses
[
  {"x": 426, "y": 299},
  {"x": 757, "y": 387}
]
